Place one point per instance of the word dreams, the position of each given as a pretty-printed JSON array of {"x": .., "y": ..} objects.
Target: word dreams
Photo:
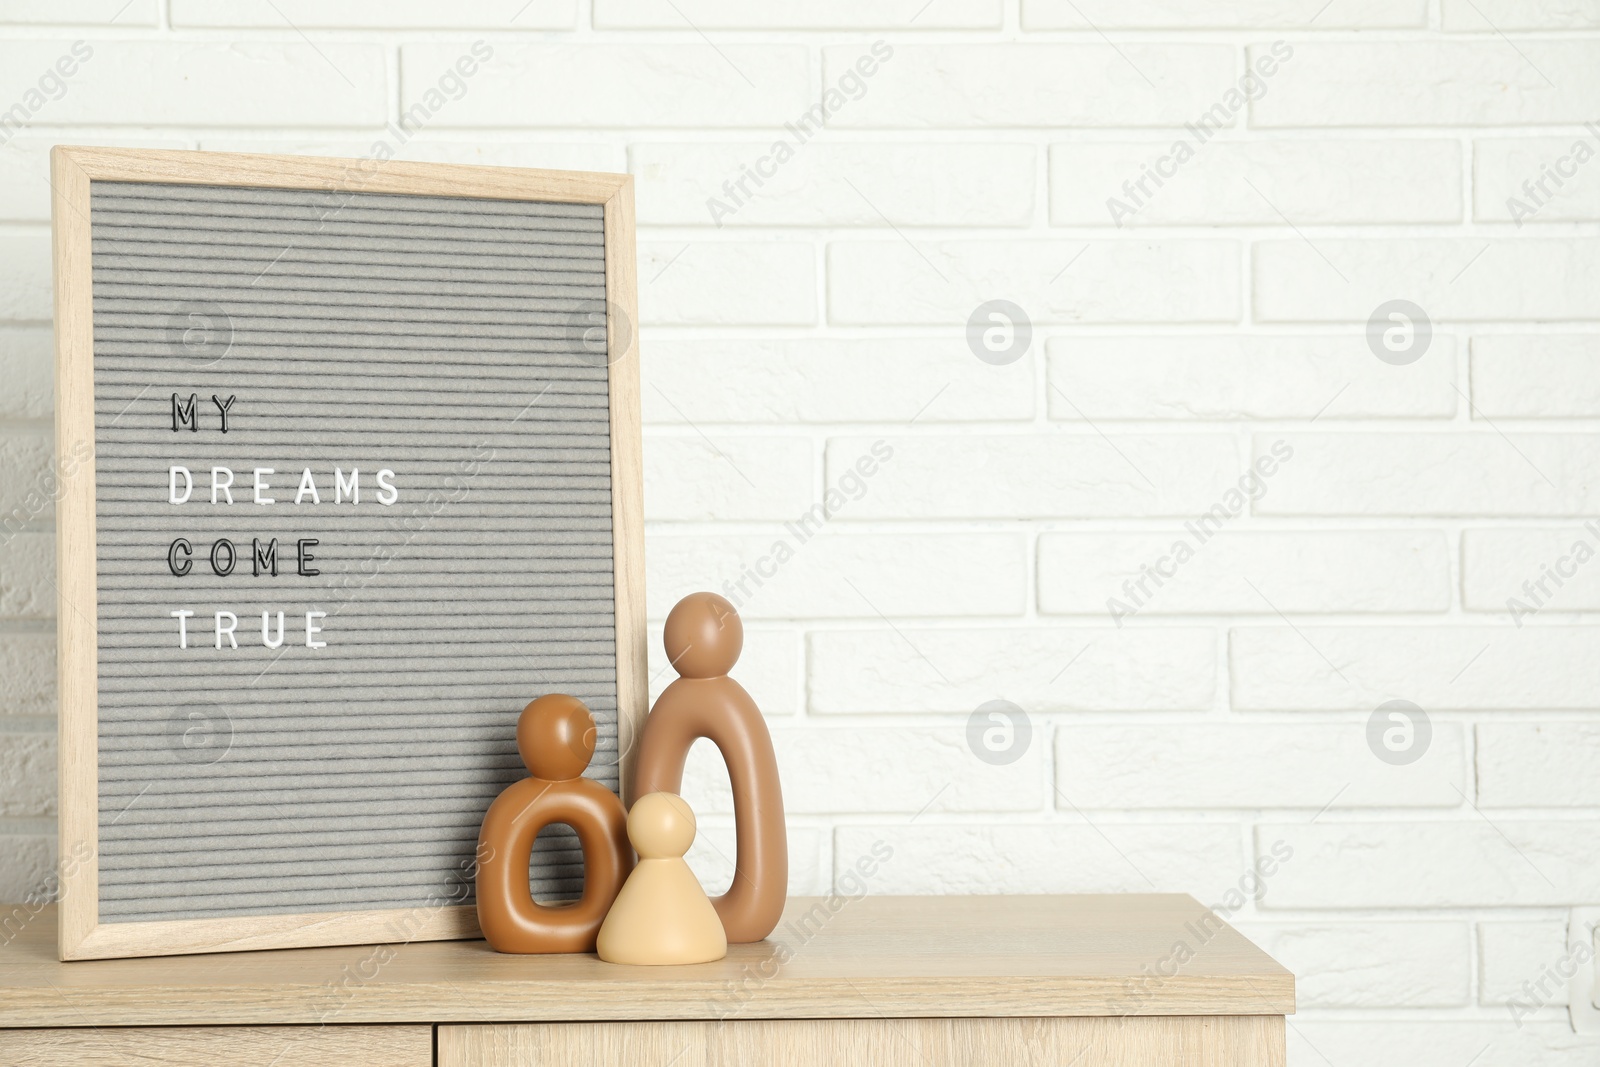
[{"x": 341, "y": 488}]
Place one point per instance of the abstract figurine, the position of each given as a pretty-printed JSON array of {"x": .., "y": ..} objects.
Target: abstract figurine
[
  {"x": 703, "y": 640},
  {"x": 555, "y": 736},
  {"x": 662, "y": 916}
]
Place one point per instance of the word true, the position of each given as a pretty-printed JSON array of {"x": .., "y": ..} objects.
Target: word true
[
  {"x": 852, "y": 85},
  {"x": 1252, "y": 485},
  {"x": 1566, "y": 566},
  {"x": 1253, "y": 86},
  {"x": 1538, "y": 191},
  {"x": 227, "y": 623},
  {"x": 51, "y": 85},
  {"x": 851, "y": 486},
  {"x": 341, "y": 487}
]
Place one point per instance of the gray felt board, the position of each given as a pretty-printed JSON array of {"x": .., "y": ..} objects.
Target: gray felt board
[{"x": 448, "y": 341}]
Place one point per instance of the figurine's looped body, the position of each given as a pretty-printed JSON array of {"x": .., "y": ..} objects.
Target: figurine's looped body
[
  {"x": 703, "y": 640},
  {"x": 555, "y": 736}
]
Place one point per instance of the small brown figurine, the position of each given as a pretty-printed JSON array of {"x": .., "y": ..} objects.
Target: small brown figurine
[
  {"x": 555, "y": 736},
  {"x": 662, "y": 915},
  {"x": 703, "y": 639}
]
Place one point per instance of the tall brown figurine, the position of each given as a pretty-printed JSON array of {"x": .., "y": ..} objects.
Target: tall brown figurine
[
  {"x": 555, "y": 736},
  {"x": 704, "y": 638}
]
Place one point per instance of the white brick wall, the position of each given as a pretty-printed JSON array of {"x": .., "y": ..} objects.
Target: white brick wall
[
  {"x": 1455, "y": 278},
  {"x": 704, "y": 283},
  {"x": 929, "y": 185},
  {"x": 1513, "y": 954},
  {"x": 1293, "y": 571},
  {"x": 907, "y": 282},
  {"x": 1535, "y": 376},
  {"x": 1382, "y": 965},
  {"x": 1432, "y": 82},
  {"x": 1239, "y": 376},
  {"x": 1434, "y": 151},
  {"x": 1321, "y": 182},
  {"x": 1249, "y": 765}
]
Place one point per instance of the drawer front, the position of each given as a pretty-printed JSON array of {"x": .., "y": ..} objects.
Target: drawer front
[
  {"x": 1186, "y": 1041},
  {"x": 221, "y": 1046}
]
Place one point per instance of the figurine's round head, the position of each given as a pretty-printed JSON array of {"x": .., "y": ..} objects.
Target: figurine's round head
[
  {"x": 703, "y": 636},
  {"x": 661, "y": 826},
  {"x": 555, "y": 736}
]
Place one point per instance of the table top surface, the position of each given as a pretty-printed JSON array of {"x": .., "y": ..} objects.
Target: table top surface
[{"x": 1146, "y": 954}]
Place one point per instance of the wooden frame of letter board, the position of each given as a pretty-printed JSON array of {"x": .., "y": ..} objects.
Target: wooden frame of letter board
[{"x": 82, "y": 935}]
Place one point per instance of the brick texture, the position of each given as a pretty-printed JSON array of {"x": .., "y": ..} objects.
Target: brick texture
[{"x": 1197, "y": 214}]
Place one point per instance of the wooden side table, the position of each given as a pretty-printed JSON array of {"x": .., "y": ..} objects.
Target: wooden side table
[{"x": 1092, "y": 981}]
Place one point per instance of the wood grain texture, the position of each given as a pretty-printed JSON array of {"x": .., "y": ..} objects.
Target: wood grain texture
[
  {"x": 895, "y": 957},
  {"x": 263, "y": 932},
  {"x": 627, "y": 476},
  {"x": 81, "y": 934},
  {"x": 223, "y": 1046},
  {"x": 77, "y": 668},
  {"x": 1178, "y": 1041},
  {"x": 341, "y": 175}
]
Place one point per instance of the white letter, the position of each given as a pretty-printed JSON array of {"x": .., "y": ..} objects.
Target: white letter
[
  {"x": 308, "y": 484},
  {"x": 183, "y": 626},
  {"x": 386, "y": 486},
  {"x": 312, "y": 629},
  {"x": 265, "y": 640},
  {"x": 341, "y": 487},
  {"x": 260, "y": 485},
  {"x": 172, "y": 484},
  {"x": 233, "y": 622},
  {"x": 224, "y": 486}
]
